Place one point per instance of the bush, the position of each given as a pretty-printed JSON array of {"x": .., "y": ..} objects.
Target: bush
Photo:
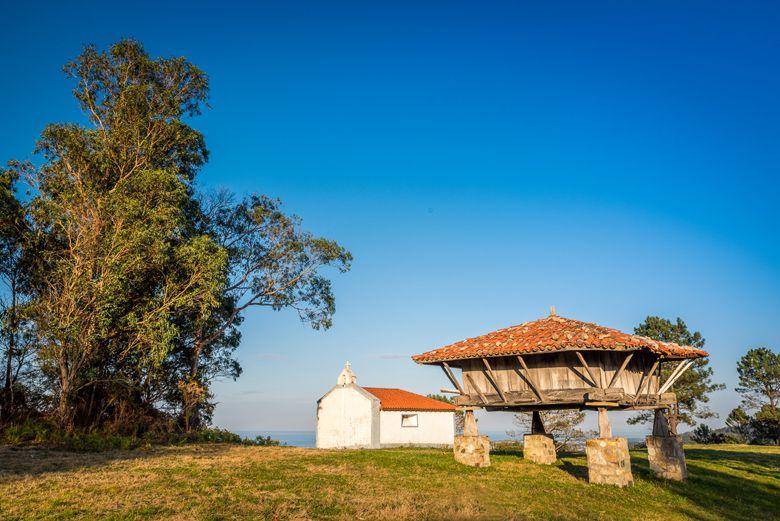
[
  {"x": 38, "y": 432},
  {"x": 263, "y": 441},
  {"x": 703, "y": 434}
]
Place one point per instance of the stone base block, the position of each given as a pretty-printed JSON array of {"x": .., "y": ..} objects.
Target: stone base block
[
  {"x": 609, "y": 462},
  {"x": 539, "y": 448},
  {"x": 666, "y": 457},
  {"x": 473, "y": 451}
]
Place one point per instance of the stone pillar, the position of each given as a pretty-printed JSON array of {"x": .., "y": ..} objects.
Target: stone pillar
[
  {"x": 539, "y": 448},
  {"x": 666, "y": 457},
  {"x": 665, "y": 451},
  {"x": 471, "y": 449},
  {"x": 609, "y": 462}
]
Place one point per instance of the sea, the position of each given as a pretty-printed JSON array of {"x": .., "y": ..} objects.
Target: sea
[{"x": 307, "y": 439}]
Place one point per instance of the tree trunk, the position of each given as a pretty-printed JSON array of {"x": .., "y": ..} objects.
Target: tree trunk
[{"x": 8, "y": 387}]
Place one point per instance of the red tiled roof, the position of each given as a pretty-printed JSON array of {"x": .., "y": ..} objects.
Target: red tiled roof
[
  {"x": 400, "y": 400},
  {"x": 553, "y": 333}
]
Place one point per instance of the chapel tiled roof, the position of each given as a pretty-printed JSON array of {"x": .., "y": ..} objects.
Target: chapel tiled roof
[
  {"x": 400, "y": 400},
  {"x": 553, "y": 333}
]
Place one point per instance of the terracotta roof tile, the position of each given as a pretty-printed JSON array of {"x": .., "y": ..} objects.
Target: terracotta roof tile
[
  {"x": 553, "y": 333},
  {"x": 400, "y": 400}
]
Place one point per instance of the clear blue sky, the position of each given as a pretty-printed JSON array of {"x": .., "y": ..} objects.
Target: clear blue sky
[{"x": 482, "y": 161}]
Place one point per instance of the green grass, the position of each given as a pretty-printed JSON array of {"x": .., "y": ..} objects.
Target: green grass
[{"x": 238, "y": 482}]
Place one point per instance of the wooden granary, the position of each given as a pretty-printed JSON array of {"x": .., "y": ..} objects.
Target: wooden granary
[{"x": 560, "y": 363}]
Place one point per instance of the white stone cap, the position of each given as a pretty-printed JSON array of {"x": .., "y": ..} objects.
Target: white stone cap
[{"x": 346, "y": 376}]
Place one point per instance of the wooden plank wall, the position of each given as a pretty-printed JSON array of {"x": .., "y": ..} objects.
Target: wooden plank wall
[{"x": 558, "y": 371}]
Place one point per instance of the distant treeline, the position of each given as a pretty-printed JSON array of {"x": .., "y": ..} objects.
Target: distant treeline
[{"x": 126, "y": 284}]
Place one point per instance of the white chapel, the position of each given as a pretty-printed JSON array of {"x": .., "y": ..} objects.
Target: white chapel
[{"x": 350, "y": 416}]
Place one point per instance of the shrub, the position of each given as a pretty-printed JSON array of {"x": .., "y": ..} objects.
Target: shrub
[
  {"x": 703, "y": 434},
  {"x": 38, "y": 432}
]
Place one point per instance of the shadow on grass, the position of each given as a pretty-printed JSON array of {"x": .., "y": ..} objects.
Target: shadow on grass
[
  {"x": 723, "y": 491},
  {"x": 24, "y": 462},
  {"x": 577, "y": 470}
]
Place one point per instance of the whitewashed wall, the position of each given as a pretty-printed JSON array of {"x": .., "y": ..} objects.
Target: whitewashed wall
[
  {"x": 348, "y": 417},
  {"x": 433, "y": 428}
]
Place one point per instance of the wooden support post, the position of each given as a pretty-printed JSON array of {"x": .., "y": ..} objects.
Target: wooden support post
[
  {"x": 531, "y": 381},
  {"x": 491, "y": 376},
  {"x": 620, "y": 371},
  {"x": 660, "y": 424},
  {"x": 605, "y": 428},
  {"x": 446, "y": 368},
  {"x": 469, "y": 423},
  {"x": 474, "y": 386},
  {"x": 537, "y": 425},
  {"x": 645, "y": 378},
  {"x": 596, "y": 381}
]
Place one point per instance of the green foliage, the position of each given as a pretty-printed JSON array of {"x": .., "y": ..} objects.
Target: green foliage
[
  {"x": 759, "y": 385},
  {"x": 263, "y": 441},
  {"x": 759, "y": 378},
  {"x": 48, "y": 434},
  {"x": 703, "y": 434},
  {"x": 135, "y": 282},
  {"x": 695, "y": 384},
  {"x": 765, "y": 426},
  {"x": 739, "y": 423}
]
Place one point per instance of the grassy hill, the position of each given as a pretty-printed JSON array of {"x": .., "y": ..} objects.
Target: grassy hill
[{"x": 234, "y": 482}]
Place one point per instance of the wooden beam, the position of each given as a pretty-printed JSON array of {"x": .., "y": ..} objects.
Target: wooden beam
[
  {"x": 479, "y": 393},
  {"x": 596, "y": 381},
  {"x": 678, "y": 372},
  {"x": 620, "y": 371},
  {"x": 491, "y": 376},
  {"x": 645, "y": 378},
  {"x": 531, "y": 381},
  {"x": 446, "y": 368}
]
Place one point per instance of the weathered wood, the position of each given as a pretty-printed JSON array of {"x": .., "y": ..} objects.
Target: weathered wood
[
  {"x": 531, "y": 381},
  {"x": 449, "y": 391},
  {"x": 446, "y": 368},
  {"x": 660, "y": 424},
  {"x": 619, "y": 372},
  {"x": 537, "y": 425},
  {"x": 645, "y": 378},
  {"x": 676, "y": 374},
  {"x": 481, "y": 396},
  {"x": 596, "y": 381},
  {"x": 491, "y": 376}
]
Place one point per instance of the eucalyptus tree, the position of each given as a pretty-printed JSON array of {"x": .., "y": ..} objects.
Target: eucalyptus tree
[{"x": 138, "y": 288}]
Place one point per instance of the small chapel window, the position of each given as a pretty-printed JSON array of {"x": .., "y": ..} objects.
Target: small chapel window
[{"x": 408, "y": 420}]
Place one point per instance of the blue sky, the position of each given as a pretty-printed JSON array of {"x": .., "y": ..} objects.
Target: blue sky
[{"x": 482, "y": 161}]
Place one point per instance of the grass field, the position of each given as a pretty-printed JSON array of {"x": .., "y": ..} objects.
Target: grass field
[{"x": 234, "y": 482}]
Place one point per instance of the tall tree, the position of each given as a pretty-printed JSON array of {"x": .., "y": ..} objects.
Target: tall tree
[
  {"x": 138, "y": 284},
  {"x": 693, "y": 387},
  {"x": 12, "y": 233},
  {"x": 759, "y": 385},
  {"x": 759, "y": 378}
]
